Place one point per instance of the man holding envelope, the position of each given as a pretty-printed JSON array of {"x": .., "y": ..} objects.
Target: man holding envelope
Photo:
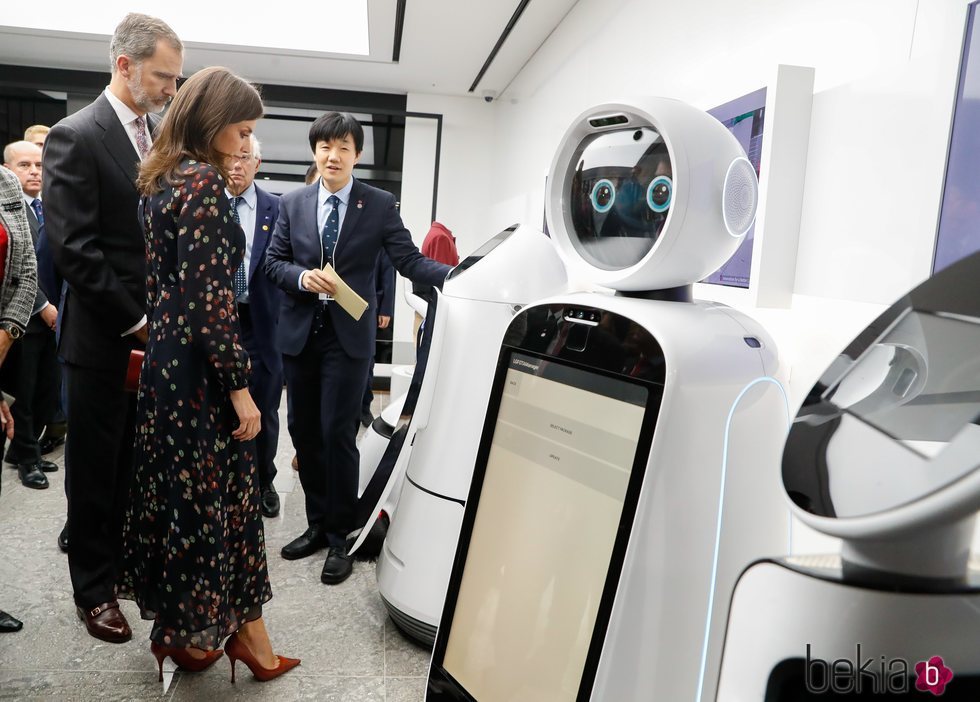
[{"x": 323, "y": 255}]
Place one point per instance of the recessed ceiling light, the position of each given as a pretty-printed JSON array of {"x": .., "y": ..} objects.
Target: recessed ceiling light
[{"x": 342, "y": 28}]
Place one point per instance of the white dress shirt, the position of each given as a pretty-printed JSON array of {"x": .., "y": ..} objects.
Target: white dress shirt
[{"x": 323, "y": 210}]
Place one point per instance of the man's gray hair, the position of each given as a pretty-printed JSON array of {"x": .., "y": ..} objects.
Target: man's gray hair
[
  {"x": 256, "y": 148},
  {"x": 137, "y": 36}
]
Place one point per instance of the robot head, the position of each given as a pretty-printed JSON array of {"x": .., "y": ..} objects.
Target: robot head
[
  {"x": 888, "y": 440},
  {"x": 649, "y": 197}
]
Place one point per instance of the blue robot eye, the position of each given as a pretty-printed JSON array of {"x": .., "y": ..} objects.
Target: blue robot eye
[
  {"x": 659, "y": 193},
  {"x": 603, "y": 195}
]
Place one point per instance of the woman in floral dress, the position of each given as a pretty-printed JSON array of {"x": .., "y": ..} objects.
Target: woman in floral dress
[{"x": 194, "y": 550}]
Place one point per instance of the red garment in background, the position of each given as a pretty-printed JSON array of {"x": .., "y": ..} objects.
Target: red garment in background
[
  {"x": 3, "y": 252},
  {"x": 440, "y": 245}
]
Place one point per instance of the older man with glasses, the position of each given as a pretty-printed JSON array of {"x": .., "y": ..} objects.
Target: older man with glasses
[{"x": 258, "y": 310}]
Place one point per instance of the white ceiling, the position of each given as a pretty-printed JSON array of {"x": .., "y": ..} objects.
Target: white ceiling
[{"x": 444, "y": 45}]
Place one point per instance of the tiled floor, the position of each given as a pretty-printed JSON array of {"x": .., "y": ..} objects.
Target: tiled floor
[{"x": 350, "y": 649}]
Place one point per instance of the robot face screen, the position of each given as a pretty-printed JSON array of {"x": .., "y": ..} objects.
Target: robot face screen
[{"x": 620, "y": 192}]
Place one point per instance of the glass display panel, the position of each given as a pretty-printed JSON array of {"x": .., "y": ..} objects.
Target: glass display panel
[
  {"x": 920, "y": 384},
  {"x": 477, "y": 256},
  {"x": 556, "y": 479},
  {"x": 958, "y": 234},
  {"x": 745, "y": 118},
  {"x": 620, "y": 187}
]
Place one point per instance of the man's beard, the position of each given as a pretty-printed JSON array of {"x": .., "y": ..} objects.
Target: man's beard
[{"x": 141, "y": 98}]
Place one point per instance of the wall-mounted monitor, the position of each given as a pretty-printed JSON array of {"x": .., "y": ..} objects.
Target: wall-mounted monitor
[
  {"x": 744, "y": 117},
  {"x": 773, "y": 126},
  {"x": 959, "y": 218}
]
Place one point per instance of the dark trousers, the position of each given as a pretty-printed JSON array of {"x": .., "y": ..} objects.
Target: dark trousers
[
  {"x": 325, "y": 386},
  {"x": 265, "y": 387},
  {"x": 31, "y": 374},
  {"x": 99, "y": 469},
  {"x": 368, "y": 390}
]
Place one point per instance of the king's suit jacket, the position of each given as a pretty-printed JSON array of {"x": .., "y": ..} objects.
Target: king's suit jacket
[
  {"x": 371, "y": 224},
  {"x": 92, "y": 226},
  {"x": 264, "y": 297}
]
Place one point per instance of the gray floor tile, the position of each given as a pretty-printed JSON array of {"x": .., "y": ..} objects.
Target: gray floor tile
[
  {"x": 351, "y": 652},
  {"x": 404, "y": 689},
  {"x": 297, "y": 684},
  {"x": 47, "y": 685},
  {"x": 404, "y": 658}
]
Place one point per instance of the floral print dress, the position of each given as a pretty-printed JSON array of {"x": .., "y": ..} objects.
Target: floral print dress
[{"x": 193, "y": 546}]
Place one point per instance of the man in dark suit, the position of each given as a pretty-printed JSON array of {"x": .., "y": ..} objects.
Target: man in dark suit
[
  {"x": 31, "y": 372},
  {"x": 326, "y": 352},
  {"x": 258, "y": 311},
  {"x": 385, "y": 290},
  {"x": 91, "y": 160}
]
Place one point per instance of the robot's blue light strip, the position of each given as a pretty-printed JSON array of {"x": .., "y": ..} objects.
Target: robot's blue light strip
[{"x": 721, "y": 507}]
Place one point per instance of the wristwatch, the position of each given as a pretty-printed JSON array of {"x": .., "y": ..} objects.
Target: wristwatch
[{"x": 12, "y": 329}]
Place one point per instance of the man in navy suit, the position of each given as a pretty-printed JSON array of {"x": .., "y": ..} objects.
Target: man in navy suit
[
  {"x": 258, "y": 311},
  {"x": 30, "y": 372},
  {"x": 326, "y": 352}
]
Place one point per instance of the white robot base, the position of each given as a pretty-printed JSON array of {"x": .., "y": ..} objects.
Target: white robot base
[{"x": 798, "y": 631}]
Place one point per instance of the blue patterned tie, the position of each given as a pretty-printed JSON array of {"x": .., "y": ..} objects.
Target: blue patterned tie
[
  {"x": 241, "y": 282},
  {"x": 38, "y": 210},
  {"x": 331, "y": 229}
]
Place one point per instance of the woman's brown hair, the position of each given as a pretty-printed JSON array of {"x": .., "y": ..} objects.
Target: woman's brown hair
[{"x": 208, "y": 102}]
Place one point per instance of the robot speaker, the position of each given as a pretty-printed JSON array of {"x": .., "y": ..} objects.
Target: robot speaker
[{"x": 740, "y": 197}]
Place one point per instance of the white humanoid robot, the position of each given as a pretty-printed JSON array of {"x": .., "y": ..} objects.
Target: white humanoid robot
[
  {"x": 427, "y": 465},
  {"x": 883, "y": 454},
  {"x": 628, "y": 470}
]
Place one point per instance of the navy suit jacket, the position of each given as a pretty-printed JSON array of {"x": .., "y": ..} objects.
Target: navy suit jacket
[
  {"x": 264, "y": 297},
  {"x": 371, "y": 224}
]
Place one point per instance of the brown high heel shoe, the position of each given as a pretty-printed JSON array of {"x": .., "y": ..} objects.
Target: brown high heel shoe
[
  {"x": 238, "y": 651},
  {"x": 182, "y": 658}
]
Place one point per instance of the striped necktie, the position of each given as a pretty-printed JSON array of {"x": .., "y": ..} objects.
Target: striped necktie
[{"x": 38, "y": 210}]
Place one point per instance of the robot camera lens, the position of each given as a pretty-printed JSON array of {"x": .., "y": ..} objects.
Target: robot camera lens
[{"x": 637, "y": 135}]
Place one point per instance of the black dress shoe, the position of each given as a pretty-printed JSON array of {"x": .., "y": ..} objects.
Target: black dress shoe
[
  {"x": 8, "y": 623},
  {"x": 270, "y": 502},
  {"x": 31, "y": 476},
  {"x": 47, "y": 466},
  {"x": 311, "y": 541},
  {"x": 63, "y": 539},
  {"x": 338, "y": 566},
  {"x": 50, "y": 444},
  {"x": 366, "y": 418}
]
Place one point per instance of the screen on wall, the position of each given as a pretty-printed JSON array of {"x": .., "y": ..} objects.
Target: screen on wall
[
  {"x": 744, "y": 118},
  {"x": 959, "y": 219},
  {"x": 554, "y": 488}
]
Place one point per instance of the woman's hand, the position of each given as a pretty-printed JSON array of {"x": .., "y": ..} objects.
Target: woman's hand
[{"x": 249, "y": 417}]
